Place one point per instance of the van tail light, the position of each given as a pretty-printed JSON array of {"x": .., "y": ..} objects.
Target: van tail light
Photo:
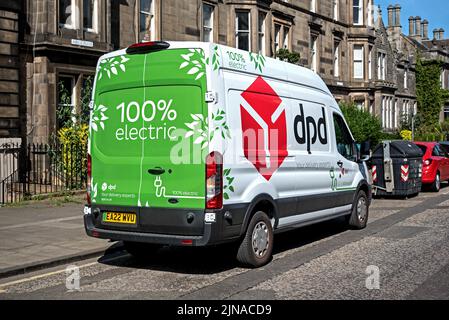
[
  {"x": 146, "y": 47},
  {"x": 89, "y": 176},
  {"x": 427, "y": 162},
  {"x": 214, "y": 181}
]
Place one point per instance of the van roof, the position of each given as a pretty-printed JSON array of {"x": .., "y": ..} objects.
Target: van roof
[{"x": 290, "y": 72}]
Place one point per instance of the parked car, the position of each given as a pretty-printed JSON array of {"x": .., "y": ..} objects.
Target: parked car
[
  {"x": 445, "y": 146},
  {"x": 435, "y": 164}
]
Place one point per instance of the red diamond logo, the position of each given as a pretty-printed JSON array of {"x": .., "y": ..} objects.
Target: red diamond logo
[{"x": 264, "y": 127}]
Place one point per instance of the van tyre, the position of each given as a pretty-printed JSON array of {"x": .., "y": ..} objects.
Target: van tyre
[
  {"x": 256, "y": 247},
  {"x": 360, "y": 211},
  {"x": 141, "y": 251},
  {"x": 436, "y": 185}
]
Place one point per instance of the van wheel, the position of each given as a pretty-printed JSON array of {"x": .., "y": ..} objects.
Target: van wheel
[
  {"x": 257, "y": 245},
  {"x": 141, "y": 251},
  {"x": 360, "y": 211},
  {"x": 436, "y": 185}
]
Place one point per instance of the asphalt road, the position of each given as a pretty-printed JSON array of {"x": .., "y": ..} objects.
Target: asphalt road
[{"x": 402, "y": 254}]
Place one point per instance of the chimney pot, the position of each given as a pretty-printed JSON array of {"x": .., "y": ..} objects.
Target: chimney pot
[
  {"x": 425, "y": 29},
  {"x": 411, "y": 26},
  {"x": 391, "y": 10},
  {"x": 397, "y": 10},
  {"x": 418, "y": 32},
  {"x": 436, "y": 34}
]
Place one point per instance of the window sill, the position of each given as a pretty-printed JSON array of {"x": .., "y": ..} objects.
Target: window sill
[
  {"x": 67, "y": 26},
  {"x": 93, "y": 31}
]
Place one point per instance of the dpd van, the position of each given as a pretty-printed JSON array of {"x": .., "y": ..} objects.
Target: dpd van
[{"x": 195, "y": 144}]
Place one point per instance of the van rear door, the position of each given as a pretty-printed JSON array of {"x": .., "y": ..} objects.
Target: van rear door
[{"x": 148, "y": 130}]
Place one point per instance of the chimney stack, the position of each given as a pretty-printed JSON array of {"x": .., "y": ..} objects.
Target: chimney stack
[
  {"x": 411, "y": 26},
  {"x": 391, "y": 10},
  {"x": 418, "y": 32},
  {"x": 425, "y": 30},
  {"x": 441, "y": 31},
  {"x": 436, "y": 34},
  {"x": 397, "y": 10}
]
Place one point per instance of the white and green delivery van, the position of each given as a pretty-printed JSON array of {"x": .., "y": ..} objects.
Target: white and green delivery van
[{"x": 198, "y": 144}]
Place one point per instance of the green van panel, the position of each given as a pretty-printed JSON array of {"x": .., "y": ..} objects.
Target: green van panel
[{"x": 142, "y": 152}]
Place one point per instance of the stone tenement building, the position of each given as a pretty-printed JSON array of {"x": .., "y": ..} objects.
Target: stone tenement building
[
  {"x": 405, "y": 49},
  {"x": 47, "y": 42},
  {"x": 11, "y": 106}
]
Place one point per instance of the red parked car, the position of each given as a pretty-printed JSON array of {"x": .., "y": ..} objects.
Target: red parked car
[{"x": 435, "y": 165}]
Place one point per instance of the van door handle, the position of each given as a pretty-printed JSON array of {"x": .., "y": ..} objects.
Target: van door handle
[
  {"x": 340, "y": 164},
  {"x": 156, "y": 171}
]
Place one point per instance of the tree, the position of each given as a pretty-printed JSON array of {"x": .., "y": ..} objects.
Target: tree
[
  {"x": 431, "y": 97},
  {"x": 364, "y": 126},
  {"x": 286, "y": 55}
]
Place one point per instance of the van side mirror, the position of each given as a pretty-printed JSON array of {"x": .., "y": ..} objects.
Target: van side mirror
[{"x": 365, "y": 151}]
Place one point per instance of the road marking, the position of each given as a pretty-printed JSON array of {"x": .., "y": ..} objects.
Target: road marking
[
  {"x": 8, "y": 284},
  {"x": 41, "y": 222}
]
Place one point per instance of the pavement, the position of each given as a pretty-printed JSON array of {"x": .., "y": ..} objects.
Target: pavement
[{"x": 42, "y": 234}]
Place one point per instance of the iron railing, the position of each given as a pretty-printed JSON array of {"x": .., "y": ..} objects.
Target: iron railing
[{"x": 36, "y": 169}]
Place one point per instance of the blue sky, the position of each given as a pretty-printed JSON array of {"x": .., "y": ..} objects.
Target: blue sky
[{"x": 435, "y": 11}]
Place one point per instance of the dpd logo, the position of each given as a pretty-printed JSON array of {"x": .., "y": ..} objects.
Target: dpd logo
[
  {"x": 310, "y": 129},
  {"x": 264, "y": 127}
]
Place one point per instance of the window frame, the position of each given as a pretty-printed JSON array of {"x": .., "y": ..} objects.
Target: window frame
[
  {"x": 74, "y": 14},
  {"x": 361, "y": 62},
  {"x": 337, "y": 60},
  {"x": 261, "y": 32},
  {"x": 446, "y": 112},
  {"x": 152, "y": 13},
  {"x": 360, "y": 9},
  {"x": 238, "y": 31},
  {"x": 95, "y": 19},
  {"x": 381, "y": 65},
  {"x": 285, "y": 37},
  {"x": 370, "y": 62},
  {"x": 405, "y": 79},
  {"x": 336, "y": 9},
  {"x": 277, "y": 38},
  {"x": 73, "y": 94},
  {"x": 314, "y": 52},
  {"x": 212, "y": 21},
  {"x": 313, "y": 6}
]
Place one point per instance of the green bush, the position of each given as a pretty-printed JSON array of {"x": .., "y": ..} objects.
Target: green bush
[
  {"x": 406, "y": 135},
  {"x": 72, "y": 136},
  {"x": 390, "y": 136},
  {"x": 286, "y": 55},
  {"x": 430, "y": 133},
  {"x": 430, "y": 96},
  {"x": 364, "y": 126}
]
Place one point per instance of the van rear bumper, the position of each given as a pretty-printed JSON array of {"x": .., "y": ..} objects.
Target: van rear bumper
[
  {"x": 163, "y": 239},
  {"x": 167, "y": 228}
]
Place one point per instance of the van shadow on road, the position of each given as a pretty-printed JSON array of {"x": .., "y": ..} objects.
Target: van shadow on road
[{"x": 217, "y": 259}]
